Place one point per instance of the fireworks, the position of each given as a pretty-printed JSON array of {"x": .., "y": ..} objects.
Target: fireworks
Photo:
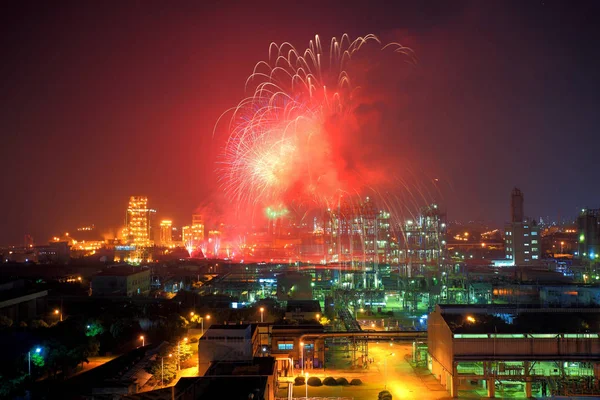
[{"x": 289, "y": 141}]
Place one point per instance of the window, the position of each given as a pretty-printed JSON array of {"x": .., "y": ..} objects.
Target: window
[
  {"x": 534, "y": 241},
  {"x": 533, "y": 233},
  {"x": 535, "y": 256},
  {"x": 526, "y": 234},
  {"x": 534, "y": 249},
  {"x": 285, "y": 345},
  {"x": 526, "y": 244}
]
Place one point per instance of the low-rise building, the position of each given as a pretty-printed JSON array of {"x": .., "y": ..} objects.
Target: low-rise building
[
  {"x": 525, "y": 351},
  {"x": 19, "y": 302},
  {"x": 122, "y": 280},
  {"x": 303, "y": 310},
  {"x": 228, "y": 343},
  {"x": 240, "y": 380}
]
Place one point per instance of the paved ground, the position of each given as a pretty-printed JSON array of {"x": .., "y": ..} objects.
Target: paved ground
[{"x": 391, "y": 371}]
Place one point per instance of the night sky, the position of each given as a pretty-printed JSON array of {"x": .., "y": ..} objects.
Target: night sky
[{"x": 106, "y": 99}]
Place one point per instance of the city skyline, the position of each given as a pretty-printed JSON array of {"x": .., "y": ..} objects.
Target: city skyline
[{"x": 494, "y": 111}]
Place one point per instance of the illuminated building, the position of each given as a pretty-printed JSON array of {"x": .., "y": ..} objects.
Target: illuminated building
[
  {"x": 193, "y": 236},
  {"x": 166, "y": 229},
  {"x": 522, "y": 235},
  {"x": 588, "y": 235},
  {"x": 528, "y": 352},
  {"x": 138, "y": 222}
]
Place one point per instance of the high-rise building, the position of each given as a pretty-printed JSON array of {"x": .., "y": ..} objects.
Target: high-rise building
[
  {"x": 166, "y": 238},
  {"x": 138, "y": 221},
  {"x": 193, "y": 236},
  {"x": 522, "y": 240}
]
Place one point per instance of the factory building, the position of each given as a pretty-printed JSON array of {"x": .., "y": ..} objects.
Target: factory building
[
  {"x": 515, "y": 351},
  {"x": 138, "y": 223}
]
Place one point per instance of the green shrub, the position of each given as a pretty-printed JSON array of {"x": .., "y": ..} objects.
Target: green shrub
[
  {"x": 356, "y": 382},
  {"x": 314, "y": 381},
  {"x": 342, "y": 381},
  {"x": 329, "y": 381},
  {"x": 299, "y": 381}
]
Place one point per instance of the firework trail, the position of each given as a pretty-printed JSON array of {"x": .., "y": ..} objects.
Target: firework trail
[{"x": 290, "y": 142}]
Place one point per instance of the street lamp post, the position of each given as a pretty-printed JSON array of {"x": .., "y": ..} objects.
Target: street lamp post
[
  {"x": 302, "y": 355},
  {"x": 59, "y": 313},
  {"x": 37, "y": 350},
  {"x": 306, "y": 384},
  {"x": 143, "y": 339},
  {"x": 202, "y": 323},
  {"x": 262, "y": 313},
  {"x": 162, "y": 369}
]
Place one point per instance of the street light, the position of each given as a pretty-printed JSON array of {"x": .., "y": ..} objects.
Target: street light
[
  {"x": 202, "y": 323},
  {"x": 162, "y": 369},
  {"x": 59, "y": 313},
  {"x": 143, "y": 339},
  {"x": 385, "y": 368},
  {"x": 302, "y": 355},
  {"x": 38, "y": 350},
  {"x": 262, "y": 312},
  {"x": 318, "y": 317},
  {"x": 306, "y": 384},
  {"x": 179, "y": 353},
  {"x": 471, "y": 319}
]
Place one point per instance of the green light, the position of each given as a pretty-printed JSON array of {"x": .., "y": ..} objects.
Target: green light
[
  {"x": 312, "y": 284},
  {"x": 582, "y": 238},
  {"x": 276, "y": 212}
]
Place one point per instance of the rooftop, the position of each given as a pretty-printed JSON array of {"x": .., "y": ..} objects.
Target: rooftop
[
  {"x": 512, "y": 319},
  {"x": 210, "y": 387},
  {"x": 122, "y": 270},
  {"x": 303, "y": 306}
]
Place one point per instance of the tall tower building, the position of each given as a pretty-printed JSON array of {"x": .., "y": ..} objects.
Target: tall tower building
[
  {"x": 516, "y": 205},
  {"x": 166, "y": 238},
  {"x": 138, "y": 221},
  {"x": 193, "y": 236},
  {"x": 522, "y": 235}
]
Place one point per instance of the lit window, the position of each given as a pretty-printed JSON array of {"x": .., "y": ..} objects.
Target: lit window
[
  {"x": 526, "y": 234},
  {"x": 535, "y": 257},
  {"x": 534, "y": 241},
  {"x": 526, "y": 244},
  {"x": 285, "y": 346},
  {"x": 534, "y": 233}
]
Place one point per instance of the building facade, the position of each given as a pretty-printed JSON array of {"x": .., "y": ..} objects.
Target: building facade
[
  {"x": 166, "y": 229},
  {"x": 522, "y": 241},
  {"x": 138, "y": 222},
  {"x": 123, "y": 280},
  {"x": 515, "y": 351}
]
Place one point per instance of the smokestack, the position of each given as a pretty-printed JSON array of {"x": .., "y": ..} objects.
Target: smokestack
[{"x": 516, "y": 205}]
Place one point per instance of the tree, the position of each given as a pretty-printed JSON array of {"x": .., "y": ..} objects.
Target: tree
[
  {"x": 156, "y": 369},
  {"x": 94, "y": 328},
  {"x": 185, "y": 351}
]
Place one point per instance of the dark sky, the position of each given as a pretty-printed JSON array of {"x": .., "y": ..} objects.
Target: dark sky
[{"x": 105, "y": 99}]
